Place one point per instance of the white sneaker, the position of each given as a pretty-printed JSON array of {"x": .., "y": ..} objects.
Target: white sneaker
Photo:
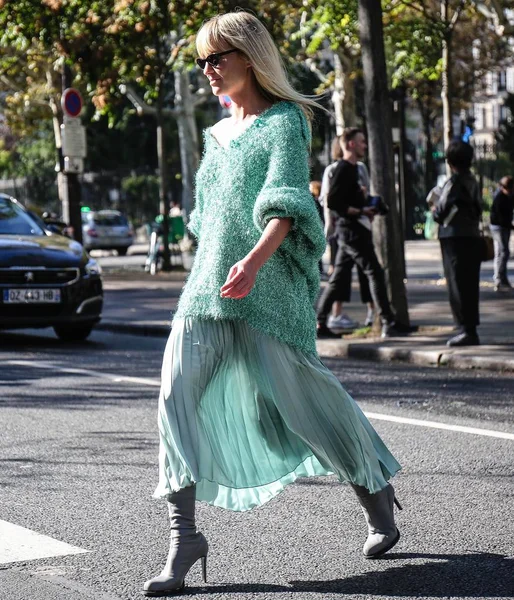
[
  {"x": 370, "y": 318},
  {"x": 503, "y": 287},
  {"x": 341, "y": 322}
]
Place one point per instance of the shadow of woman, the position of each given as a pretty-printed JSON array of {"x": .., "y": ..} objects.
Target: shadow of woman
[{"x": 473, "y": 575}]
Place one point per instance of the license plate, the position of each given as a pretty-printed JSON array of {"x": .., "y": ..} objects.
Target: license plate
[{"x": 29, "y": 296}]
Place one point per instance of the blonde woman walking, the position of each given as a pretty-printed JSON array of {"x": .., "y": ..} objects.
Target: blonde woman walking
[{"x": 246, "y": 406}]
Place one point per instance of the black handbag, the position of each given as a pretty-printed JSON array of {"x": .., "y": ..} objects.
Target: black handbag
[{"x": 487, "y": 250}]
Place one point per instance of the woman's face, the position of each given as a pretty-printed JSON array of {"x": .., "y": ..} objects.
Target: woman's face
[{"x": 230, "y": 76}]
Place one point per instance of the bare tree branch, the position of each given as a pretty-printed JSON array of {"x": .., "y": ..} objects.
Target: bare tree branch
[
  {"x": 456, "y": 15},
  {"x": 309, "y": 62}
]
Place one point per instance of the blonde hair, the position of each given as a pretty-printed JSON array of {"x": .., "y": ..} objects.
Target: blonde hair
[{"x": 245, "y": 32}]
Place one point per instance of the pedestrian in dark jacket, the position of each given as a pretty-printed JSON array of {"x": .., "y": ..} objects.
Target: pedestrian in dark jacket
[
  {"x": 458, "y": 214},
  {"x": 353, "y": 228},
  {"x": 502, "y": 212}
]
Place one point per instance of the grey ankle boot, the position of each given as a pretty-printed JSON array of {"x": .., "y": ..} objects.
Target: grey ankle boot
[
  {"x": 186, "y": 546},
  {"x": 378, "y": 511}
]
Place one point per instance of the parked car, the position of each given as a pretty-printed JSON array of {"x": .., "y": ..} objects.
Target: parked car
[
  {"x": 106, "y": 230},
  {"x": 46, "y": 279}
]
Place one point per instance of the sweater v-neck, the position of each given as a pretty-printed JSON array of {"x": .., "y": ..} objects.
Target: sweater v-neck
[{"x": 238, "y": 137}]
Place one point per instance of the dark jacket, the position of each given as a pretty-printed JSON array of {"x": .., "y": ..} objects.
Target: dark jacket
[
  {"x": 460, "y": 207},
  {"x": 345, "y": 191},
  {"x": 502, "y": 210}
]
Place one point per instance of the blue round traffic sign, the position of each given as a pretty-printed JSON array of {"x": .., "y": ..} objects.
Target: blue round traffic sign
[{"x": 71, "y": 102}]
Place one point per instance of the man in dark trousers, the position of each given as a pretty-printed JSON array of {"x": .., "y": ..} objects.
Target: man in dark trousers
[
  {"x": 458, "y": 212},
  {"x": 502, "y": 213},
  {"x": 353, "y": 228}
]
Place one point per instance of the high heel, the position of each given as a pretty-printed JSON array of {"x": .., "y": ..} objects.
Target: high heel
[
  {"x": 204, "y": 568},
  {"x": 379, "y": 513},
  {"x": 187, "y": 546}
]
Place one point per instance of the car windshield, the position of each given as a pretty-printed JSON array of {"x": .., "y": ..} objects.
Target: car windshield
[
  {"x": 15, "y": 221},
  {"x": 109, "y": 220}
]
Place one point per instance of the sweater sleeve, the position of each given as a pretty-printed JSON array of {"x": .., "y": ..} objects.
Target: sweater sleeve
[
  {"x": 193, "y": 223},
  {"x": 285, "y": 193},
  {"x": 195, "y": 218}
]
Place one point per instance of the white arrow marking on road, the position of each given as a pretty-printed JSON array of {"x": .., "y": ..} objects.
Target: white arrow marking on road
[
  {"x": 379, "y": 416},
  {"x": 20, "y": 544}
]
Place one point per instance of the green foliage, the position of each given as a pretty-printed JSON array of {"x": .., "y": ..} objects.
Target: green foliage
[
  {"x": 414, "y": 34},
  {"x": 5, "y": 159},
  {"x": 33, "y": 159},
  {"x": 414, "y": 46},
  {"x": 333, "y": 23},
  {"x": 141, "y": 197}
]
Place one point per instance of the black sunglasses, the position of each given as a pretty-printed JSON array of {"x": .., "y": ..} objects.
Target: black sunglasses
[{"x": 213, "y": 59}]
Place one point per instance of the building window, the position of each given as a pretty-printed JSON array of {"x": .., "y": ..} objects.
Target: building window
[
  {"x": 510, "y": 79},
  {"x": 489, "y": 81},
  {"x": 496, "y": 116},
  {"x": 502, "y": 81},
  {"x": 478, "y": 117}
]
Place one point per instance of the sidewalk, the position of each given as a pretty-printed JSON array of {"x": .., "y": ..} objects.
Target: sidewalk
[{"x": 139, "y": 304}]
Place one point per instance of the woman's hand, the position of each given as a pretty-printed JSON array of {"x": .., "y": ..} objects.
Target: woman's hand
[
  {"x": 369, "y": 212},
  {"x": 241, "y": 279}
]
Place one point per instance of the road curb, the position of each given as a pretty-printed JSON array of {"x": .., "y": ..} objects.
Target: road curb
[
  {"x": 455, "y": 361},
  {"x": 377, "y": 352},
  {"x": 427, "y": 358},
  {"x": 345, "y": 349}
]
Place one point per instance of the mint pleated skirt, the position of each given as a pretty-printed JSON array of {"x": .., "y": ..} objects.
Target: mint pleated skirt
[{"x": 241, "y": 415}]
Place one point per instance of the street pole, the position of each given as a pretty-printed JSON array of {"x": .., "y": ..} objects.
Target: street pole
[
  {"x": 163, "y": 189},
  {"x": 70, "y": 191}
]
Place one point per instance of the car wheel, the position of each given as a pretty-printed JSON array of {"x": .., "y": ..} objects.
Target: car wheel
[
  {"x": 73, "y": 333},
  {"x": 122, "y": 251}
]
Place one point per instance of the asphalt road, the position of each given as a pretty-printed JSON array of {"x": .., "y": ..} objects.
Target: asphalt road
[{"x": 78, "y": 454}]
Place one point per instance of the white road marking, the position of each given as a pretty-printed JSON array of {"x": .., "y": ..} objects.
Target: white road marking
[
  {"x": 379, "y": 416},
  {"x": 437, "y": 425},
  {"x": 88, "y": 372},
  {"x": 20, "y": 544}
]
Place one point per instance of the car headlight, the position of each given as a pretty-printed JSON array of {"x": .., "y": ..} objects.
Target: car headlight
[{"x": 93, "y": 268}]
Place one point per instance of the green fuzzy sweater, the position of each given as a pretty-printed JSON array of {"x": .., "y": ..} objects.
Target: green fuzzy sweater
[{"x": 262, "y": 174}]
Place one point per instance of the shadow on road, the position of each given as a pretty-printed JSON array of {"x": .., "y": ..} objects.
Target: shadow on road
[{"x": 478, "y": 575}]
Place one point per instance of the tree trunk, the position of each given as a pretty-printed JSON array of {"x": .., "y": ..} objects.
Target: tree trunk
[
  {"x": 349, "y": 110},
  {"x": 430, "y": 178},
  {"x": 188, "y": 138},
  {"x": 386, "y": 230},
  {"x": 446, "y": 95},
  {"x": 343, "y": 97},
  {"x": 338, "y": 94},
  {"x": 163, "y": 183}
]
